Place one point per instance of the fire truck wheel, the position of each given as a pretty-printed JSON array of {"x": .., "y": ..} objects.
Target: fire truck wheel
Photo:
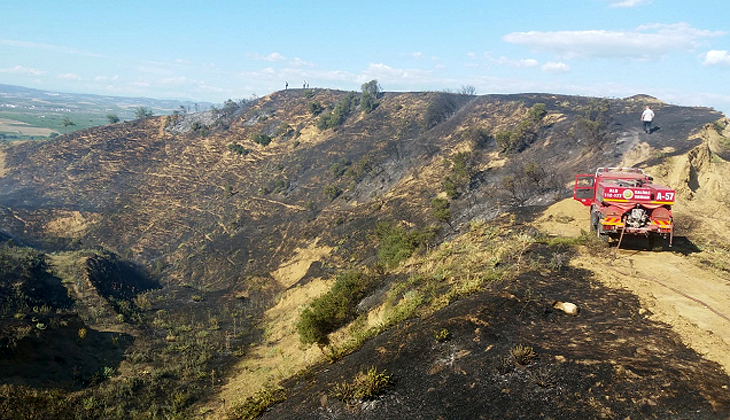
[
  {"x": 594, "y": 221},
  {"x": 599, "y": 231}
]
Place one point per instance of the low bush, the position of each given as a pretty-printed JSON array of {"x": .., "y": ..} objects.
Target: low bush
[
  {"x": 522, "y": 355},
  {"x": 333, "y": 309},
  {"x": 342, "y": 110},
  {"x": 365, "y": 386},
  {"x": 396, "y": 244},
  {"x": 462, "y": 169},
  {"x": 315, "y": 108},
  {"x": 439, "y": 110},
  {"x": 518, "y": 139},
  {"x": 337, "y": 169},
  {"x": 256, "y": 404},
  {"x": 262, "y": 139},
  {"x": 332, "y": 191},
  {"x": 237, "y": 148},
  {"x": 440, "y": 209}
]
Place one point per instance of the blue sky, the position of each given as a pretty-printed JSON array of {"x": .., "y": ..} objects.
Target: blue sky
[{"x": 213, "y": 50}]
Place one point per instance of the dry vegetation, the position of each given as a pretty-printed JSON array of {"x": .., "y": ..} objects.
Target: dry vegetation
[{"x": 347, "y": 231}]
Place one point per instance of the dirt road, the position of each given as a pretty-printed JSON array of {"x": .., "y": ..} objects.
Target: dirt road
[{"x": 673, "y": 285}]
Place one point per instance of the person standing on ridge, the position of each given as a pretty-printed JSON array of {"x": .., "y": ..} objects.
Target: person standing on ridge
[{"x": 647, "y": 117}]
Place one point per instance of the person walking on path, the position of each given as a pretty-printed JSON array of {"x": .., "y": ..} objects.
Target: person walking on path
[{"x": 647, "y": 117}]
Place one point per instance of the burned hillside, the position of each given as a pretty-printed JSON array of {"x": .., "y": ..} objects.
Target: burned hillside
[{"x": 199, "y": 240}]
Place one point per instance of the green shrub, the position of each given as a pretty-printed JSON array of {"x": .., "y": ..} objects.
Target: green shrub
[
  {"x": 365, "y": 386},
  {"x": 371, "y": 92},
  {"x": 439, "y": 110},
  {"x": 342, "y": 110},
  {"x": 332, "y": 191},
  {"x": 368, "y": 103},
  {"x": 440, "y": 209},
  {"x": 522, "y": 136},
  {"x": 142, "y": 112},
  {"x": 462, "y": 169},
  {"x": 537, "y": 112},
  {"x": 595, "y": 123},
  {"x": 522, "y": 355},
  {"x": 200, "y": 128},
  {"x": 283, "y": 129},
  {"x": 442, "y": 335},
  {"x": 478, "y": 137},
  {"x": 333, "y": 309},
  {"x": 720, "y": 126},
  {"x": 358, "y": 171},
  {"x": 315, "y": 108},
  {"x": 253, "y": 406},
  {"x": 338, "y": 168},
  {"x": 262, "y": 139},
  {"x": 237, "y": 148},
  {"x": 396, "y": 244}
]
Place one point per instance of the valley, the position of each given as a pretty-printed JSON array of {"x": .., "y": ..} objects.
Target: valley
[{"x": 259, "y": 259}]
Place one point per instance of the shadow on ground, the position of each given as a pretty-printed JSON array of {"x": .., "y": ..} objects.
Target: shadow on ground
[
  {"x": 609, "y": 361},
  {"x": 56, "y": 353}
]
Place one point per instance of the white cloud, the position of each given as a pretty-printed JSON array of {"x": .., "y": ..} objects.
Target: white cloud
[
  {"x": 179, "y": 80},
  {"x": 717, "y": 57},
  {"x": 48, "y": 47},
  {"x": 69, "y": 76},
  {"x": 553, "y": 67},
  {"x": 627, "y": 3},
  {"x": 203, "y": 86},
  {"x": 471, "y": 55},
  {"x": 156, "y": 69},
  {"x": 648, "y": 41},
  {"x": 298, "y": 62},
  {"x": 389, "y": 76},
  {"x": 106, "y": 78},
  {"x": 23, "y": 70},
  {"x": 273, "y": 57},
  {"x": 522, "y": 63},
  {"x": 417, "y": 55}
]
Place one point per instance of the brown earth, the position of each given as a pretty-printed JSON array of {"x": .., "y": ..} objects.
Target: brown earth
[
  {"x": 686, "y": 287},
  {"x": 13, "y": 126},
  {"x": 242, "y": 243},
  {"x": 613, "y": 360}
]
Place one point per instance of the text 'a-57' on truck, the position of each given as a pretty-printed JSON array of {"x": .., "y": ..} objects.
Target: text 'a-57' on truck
[{"x": 626, "y": 201}]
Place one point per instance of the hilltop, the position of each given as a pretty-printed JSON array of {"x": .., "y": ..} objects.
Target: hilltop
[{"x": 197, "y": 240}]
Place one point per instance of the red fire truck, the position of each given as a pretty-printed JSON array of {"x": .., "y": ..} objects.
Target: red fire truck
[{"x": 626, "y": 201}]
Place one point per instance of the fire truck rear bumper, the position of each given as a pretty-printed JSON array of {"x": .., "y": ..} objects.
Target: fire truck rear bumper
[{"x": 617, "y": 228}]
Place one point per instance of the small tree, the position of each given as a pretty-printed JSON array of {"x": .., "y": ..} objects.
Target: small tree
[
  {"x": 373, "y": 88},
  {"x": 440, "y": 209},
  {"x": 112, "y": 118},
  {"x": 143, "y": 112},
  {"x": 370, "y": 94},
  {"x": 468, "y": 90},
  {"x": 66, "y": 123}
]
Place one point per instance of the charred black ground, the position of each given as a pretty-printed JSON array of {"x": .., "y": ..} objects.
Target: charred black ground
[
  {"x": 159, "y": 239},
  {"x": 609, "y": 361}
]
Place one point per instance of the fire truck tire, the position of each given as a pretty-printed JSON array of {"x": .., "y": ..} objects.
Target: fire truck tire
[
  {"x": 599, "y": 231},
  {"x": 594, "y": 221}
]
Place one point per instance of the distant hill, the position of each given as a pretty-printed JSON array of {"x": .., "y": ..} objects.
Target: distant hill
[
  {"x": 195, "y": 244},
  {"x": 26, "y": 112}
]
